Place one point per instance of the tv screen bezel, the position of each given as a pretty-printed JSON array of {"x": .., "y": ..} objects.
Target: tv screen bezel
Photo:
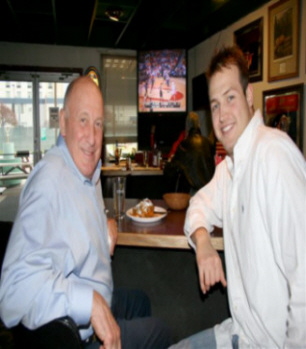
[{"x": 166, "y": 111}]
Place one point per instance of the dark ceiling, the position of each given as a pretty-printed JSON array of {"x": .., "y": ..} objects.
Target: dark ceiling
[{"x": 144, "y": 24}]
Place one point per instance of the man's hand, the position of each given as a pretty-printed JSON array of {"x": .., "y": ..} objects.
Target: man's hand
[
  {"x": 208, "y": 260},
  {"x": 112, "y": 234},
  {"x": 104, "y": 324}
]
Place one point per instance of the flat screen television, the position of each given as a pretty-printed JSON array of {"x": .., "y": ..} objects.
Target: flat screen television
[
  {"x": 162, "y": 97},
  {"x": 162, "y": 81}
]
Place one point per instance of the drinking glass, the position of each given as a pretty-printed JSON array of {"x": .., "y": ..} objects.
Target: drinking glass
[{"x": 119, "y": 197}]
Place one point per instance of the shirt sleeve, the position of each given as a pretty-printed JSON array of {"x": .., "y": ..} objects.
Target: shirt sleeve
[
  {"x": 39, "y": 266},
  {"x": 205, "y": 207},
  {"x": 286, "y": 202}
]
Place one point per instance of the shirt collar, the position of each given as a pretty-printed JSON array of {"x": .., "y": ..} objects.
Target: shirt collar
[{"x": 61, "y": 144}]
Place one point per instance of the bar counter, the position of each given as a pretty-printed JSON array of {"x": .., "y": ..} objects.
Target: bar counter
[
  {"x": 141, "y": 181},
  {"x": 156, "y": 258},
  {"x": 112, "y": 170},
  {"x": 166, "y": 233}
]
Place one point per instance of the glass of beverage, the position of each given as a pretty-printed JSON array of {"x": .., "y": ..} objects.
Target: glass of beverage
[
  {"x": 117, "y": 155},
  {"x": 119, "y": 197}
]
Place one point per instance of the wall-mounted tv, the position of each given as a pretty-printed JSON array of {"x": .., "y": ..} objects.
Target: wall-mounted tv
[{"x": 162, "y": 81}]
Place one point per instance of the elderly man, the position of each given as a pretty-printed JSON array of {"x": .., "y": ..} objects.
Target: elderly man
[{"x": 58, "y": 260}]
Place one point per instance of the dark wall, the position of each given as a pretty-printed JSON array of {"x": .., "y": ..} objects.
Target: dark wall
[
  {"x": 137, "y": 187},
  {"x": 200, "y": 99}
]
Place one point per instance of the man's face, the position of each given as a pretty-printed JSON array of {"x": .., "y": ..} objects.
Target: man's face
[
  {"x": 82, "y": 128},
  {"x": 231, "y": 108}
]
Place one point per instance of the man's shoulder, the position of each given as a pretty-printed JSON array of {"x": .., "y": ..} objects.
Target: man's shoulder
[
  {"x": 48, "y": 169},
  {"x": 271, "y": 138},
  {"x": 275, "y": 148}
]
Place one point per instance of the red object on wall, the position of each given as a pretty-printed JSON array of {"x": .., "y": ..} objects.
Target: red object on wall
[{"x": 282, "y": 103}]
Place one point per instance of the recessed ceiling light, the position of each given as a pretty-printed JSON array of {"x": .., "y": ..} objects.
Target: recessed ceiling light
[{"x": 114, "y": 13}]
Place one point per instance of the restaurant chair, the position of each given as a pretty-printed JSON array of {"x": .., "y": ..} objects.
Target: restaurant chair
[
  {"x": 25, "y": 158},
  {"x": 23, "y": 154}
]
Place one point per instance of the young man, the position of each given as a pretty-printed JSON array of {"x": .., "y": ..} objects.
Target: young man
[
  {"x": 58, "y": 258},
  {"x": 258, "y": 197}
]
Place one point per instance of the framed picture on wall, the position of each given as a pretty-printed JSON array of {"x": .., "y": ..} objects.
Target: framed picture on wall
[
  {"x": 283, "y": 109},
  {"x": 250, "y": 39},
  {"x": 283, "y": 39}
]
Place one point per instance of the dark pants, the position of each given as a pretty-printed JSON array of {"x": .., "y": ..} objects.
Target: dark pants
[{"x": 139, "y": 330}]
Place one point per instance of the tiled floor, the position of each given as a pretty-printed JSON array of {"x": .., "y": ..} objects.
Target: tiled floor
[{"x": 9, "y": 202}]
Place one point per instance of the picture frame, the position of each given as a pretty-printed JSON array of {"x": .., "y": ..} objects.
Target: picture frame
[
  {"x": 250, "y": 40},
  {"x": 283, "y": 109},
  {"x": 283, "y": 40}
]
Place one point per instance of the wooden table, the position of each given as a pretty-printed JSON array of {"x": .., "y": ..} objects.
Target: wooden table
[
  {"x": 7, "y": 168},
  {"x": 167, "y": 233},
  {"x": 10, "y": 166}
]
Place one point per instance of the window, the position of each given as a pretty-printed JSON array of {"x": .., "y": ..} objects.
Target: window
[
  {"x": 25, "y": 110},
  {"x": 119, "y": 79}
]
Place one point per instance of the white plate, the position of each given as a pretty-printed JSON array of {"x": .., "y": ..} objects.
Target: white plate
[{"x": 157, "y": 216}]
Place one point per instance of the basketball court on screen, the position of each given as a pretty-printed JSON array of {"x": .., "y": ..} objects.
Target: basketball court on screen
[{"x": 162, "y": 95}]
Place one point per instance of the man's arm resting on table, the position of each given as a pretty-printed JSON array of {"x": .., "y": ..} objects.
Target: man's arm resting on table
[
  {"x": 112, "y": 234},
  {"x": 208, "y": 260}
]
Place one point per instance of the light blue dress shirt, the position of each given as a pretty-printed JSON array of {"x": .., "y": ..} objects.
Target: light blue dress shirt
[{"x": 58, "y": 251}]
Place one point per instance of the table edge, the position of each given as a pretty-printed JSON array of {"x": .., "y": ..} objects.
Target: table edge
[{"x": 161, "y": 241}]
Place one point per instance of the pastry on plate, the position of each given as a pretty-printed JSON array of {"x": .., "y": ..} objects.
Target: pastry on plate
[{"x": 144, "y": 208}]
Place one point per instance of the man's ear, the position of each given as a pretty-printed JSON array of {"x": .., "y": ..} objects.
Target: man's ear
[
  {"x": 249, "y": 95},
  {"x": 62, "y": 122}
]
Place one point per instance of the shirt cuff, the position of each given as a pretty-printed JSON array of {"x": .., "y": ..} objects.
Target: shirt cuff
[{"x": 81, "y": 303}]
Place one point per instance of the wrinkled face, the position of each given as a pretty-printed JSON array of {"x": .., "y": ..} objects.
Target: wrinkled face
[
  {"x": 81, "y": 125},
  {"x": 231, "y": 108}
]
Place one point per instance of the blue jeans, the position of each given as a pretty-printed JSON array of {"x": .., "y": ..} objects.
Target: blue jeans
[
  {"x": 203, "y": 340},
  {"x": 132, "y": 310}
]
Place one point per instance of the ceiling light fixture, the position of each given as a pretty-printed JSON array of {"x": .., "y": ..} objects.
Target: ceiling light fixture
[{"x": 114, "y": 14}]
